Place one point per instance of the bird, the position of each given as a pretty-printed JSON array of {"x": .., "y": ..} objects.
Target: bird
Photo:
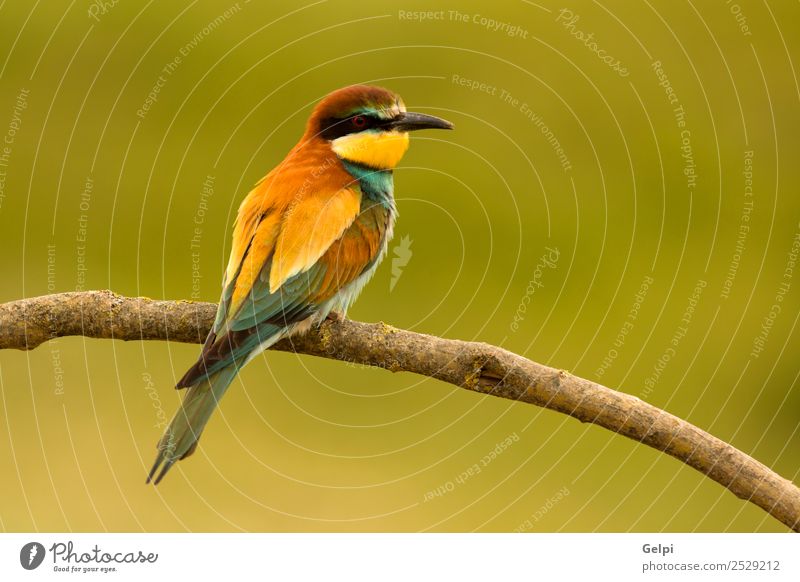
[{"x": 306, "y": 240}]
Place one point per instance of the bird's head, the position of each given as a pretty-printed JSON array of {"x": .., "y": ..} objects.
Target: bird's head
[{"x": 368, "y": 125}]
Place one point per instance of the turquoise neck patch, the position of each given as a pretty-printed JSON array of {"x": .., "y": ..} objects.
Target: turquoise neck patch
[{"x": 377, "y": 185}]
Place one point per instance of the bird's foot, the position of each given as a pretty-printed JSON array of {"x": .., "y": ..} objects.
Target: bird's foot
[{"x": 334, "y": 316}]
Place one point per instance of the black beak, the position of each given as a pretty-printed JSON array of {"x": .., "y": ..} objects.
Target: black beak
[{"x": 411, "y": 121}]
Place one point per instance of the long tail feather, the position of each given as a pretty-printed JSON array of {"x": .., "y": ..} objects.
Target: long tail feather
[{"x": 180, "y": 439}]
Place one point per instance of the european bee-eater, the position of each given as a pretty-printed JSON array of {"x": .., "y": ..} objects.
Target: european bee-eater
[{"x": 307, "y": 239}]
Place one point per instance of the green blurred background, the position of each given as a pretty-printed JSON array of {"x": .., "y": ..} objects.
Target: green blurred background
[{"x": 96, "y": 195}]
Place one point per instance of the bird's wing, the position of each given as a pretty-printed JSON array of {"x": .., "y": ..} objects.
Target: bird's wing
[{"x": 289, "y": 256}]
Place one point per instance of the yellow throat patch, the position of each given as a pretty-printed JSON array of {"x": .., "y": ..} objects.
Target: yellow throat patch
[{"x": 382, "y": 149}]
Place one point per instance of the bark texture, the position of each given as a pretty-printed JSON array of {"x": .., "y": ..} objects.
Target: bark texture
[{"x": 479, "y": 367}]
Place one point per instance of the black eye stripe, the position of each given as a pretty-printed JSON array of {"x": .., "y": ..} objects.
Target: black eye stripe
[{"x": 334, "y": 127}]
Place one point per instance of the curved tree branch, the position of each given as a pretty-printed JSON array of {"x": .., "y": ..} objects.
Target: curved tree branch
[{"x": 480, "y": 367}]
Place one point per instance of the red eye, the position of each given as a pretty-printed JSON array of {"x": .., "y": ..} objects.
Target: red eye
[{"x": 359, "y": 121}]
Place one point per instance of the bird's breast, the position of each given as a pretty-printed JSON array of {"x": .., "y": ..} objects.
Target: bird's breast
[{"x": 364, "y": 246}]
